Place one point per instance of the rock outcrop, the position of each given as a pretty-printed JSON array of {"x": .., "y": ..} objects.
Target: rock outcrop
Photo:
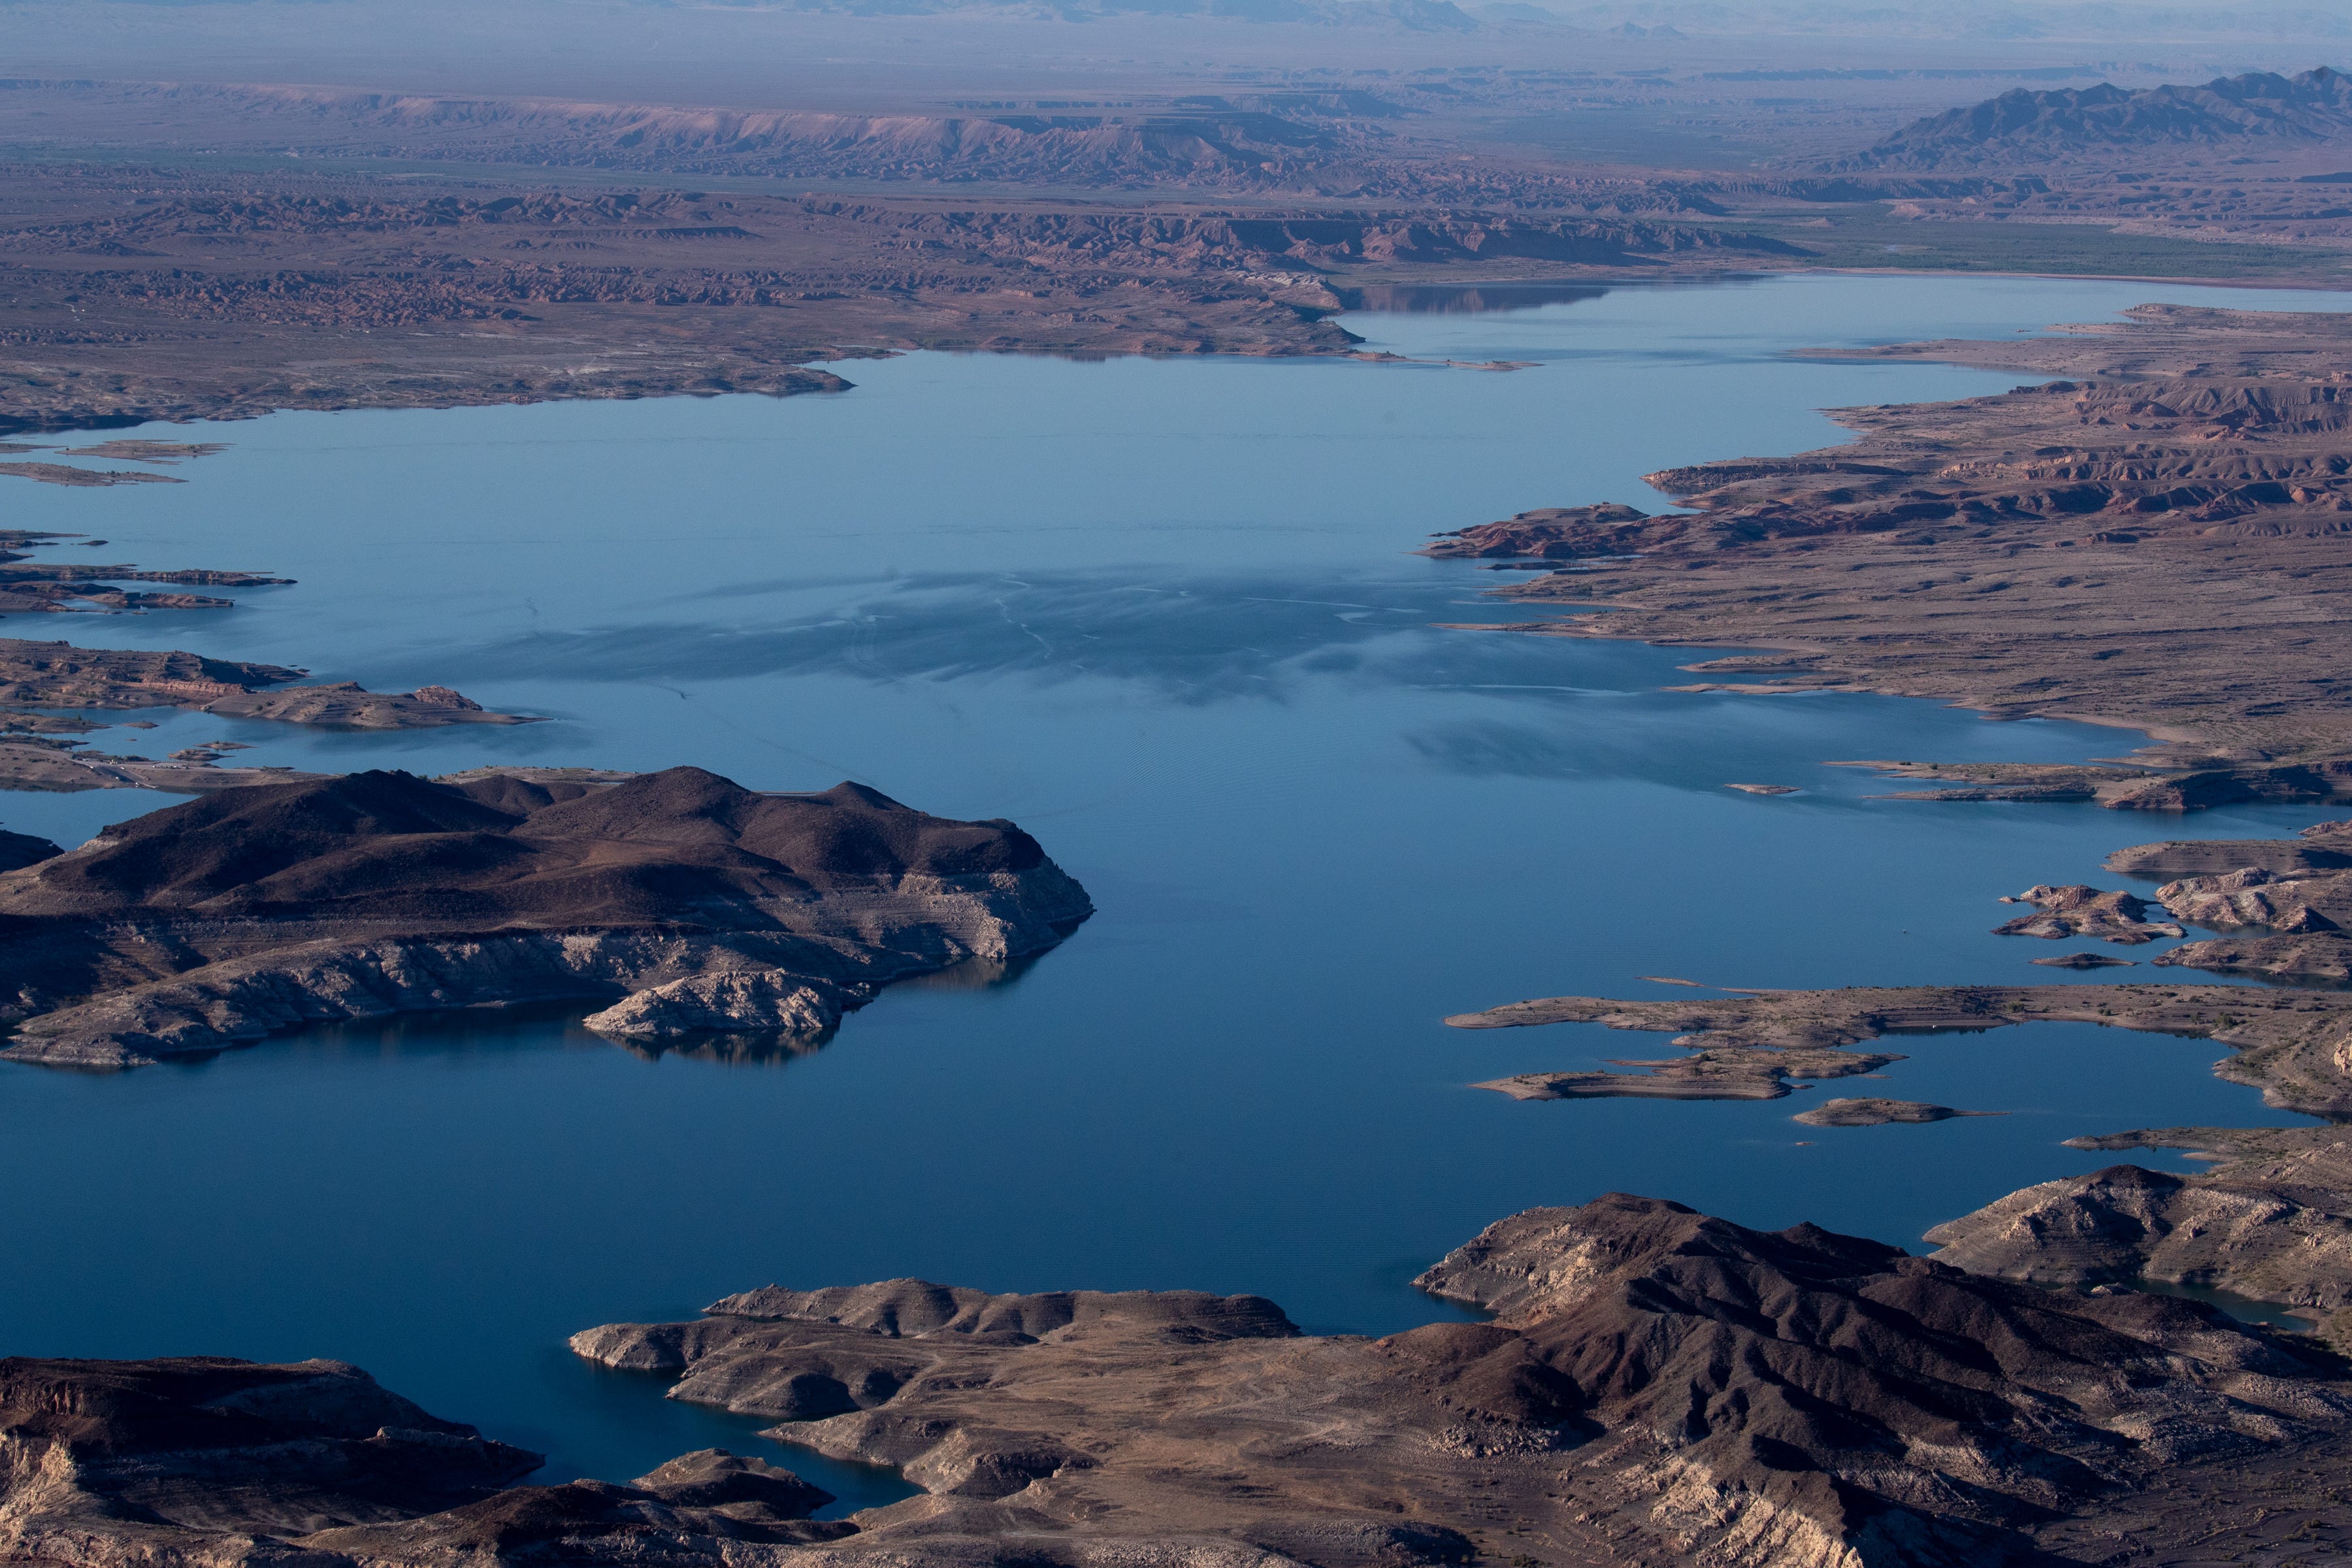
[
  {"x": 705, "y": 1509},
  {"x": 687, "y": 901},
  {"x": 18, "y": 850},
  {"x": 2251, "y": 896},
  {"x": 1656, "y": 1385},
  {"x": 348, "y": 705},
  {"x": 2272, "y": 1221},
  {"x": 208, "y": 1461},
  {"x": 1555, "y": 533},
  {"x": 2076, "y": 910}
]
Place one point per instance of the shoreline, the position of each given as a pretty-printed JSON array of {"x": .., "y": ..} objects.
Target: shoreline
[{"x": 966, "y": 1497}]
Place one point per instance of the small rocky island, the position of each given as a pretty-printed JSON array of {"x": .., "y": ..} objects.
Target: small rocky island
[{"x": 682, "y": 903}]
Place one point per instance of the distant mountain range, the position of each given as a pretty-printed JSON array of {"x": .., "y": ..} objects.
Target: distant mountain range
[{"x": 2025, "y": 127}]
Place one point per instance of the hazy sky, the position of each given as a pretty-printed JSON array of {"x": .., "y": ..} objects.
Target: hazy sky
[{"x": 777, "y": 57}]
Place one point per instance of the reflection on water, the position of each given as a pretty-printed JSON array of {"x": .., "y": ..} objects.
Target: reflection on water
[
  {"x": 770, "y": 1047},
  {"x": 1190, "y": 636},
  {"x": 1466, "y": 298},
  {"x": 1487, "y": 298},
  {"x": 1163, "y": 614}
]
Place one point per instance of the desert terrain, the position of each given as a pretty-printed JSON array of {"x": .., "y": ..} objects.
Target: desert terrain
[{"x": 2148, "y": 535}]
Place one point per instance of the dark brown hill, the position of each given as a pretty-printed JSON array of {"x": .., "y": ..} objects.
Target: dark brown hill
[
  {"x": 212, "y": 1461},
  {"x": 1656, "y": 1385},
  {"x": 699, "y": 903},
  {"x": 682, "y": 845},
  {"x": 159, "y": 1449}
]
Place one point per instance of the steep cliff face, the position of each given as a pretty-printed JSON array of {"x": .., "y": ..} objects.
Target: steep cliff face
[{"x": 688, "y": 902}]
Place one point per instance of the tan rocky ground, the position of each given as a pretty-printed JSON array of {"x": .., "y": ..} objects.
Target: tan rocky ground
[
  {"x": 151, "y": 294},
  {"x": 2292, "y": 1045},
  {"x": 1655, "y": 1386},
  {"x": 2159, "y": 546},
  {"x": 2281, "y": 904},
  {"x": 2272, "y": 1220}
]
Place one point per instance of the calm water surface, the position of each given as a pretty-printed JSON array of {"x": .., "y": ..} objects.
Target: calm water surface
[{"x": 1162, "y": 613}]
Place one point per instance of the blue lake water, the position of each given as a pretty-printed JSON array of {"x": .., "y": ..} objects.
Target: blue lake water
[{"x": 1163, "y": 614}]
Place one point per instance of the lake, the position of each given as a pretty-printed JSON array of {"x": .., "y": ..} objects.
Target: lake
[{"x": 1163, "y": 614}]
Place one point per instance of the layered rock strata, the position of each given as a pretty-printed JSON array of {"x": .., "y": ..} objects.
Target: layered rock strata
[
  {"x": 1653, "y": 1385},
  {"x": 2252, "y": 896},
  {"x": 202, "y": 1459},
  {"x": 685, "y": 901}
]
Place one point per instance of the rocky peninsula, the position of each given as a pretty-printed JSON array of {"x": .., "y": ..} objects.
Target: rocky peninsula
[
  {"x": 680, "y": 901},
  {"x": 2272, "y": 1221},
  {"x": 42, "y": 750},
  {"x": 35, "y": 674},
  {"x": 2156, "y": 544},
  {"x": 34, "y": 750},
  {"x": 2289, "y": 1044},
  {"x": 1654, "y": 1385},
  {"x": 203, "y": 1459},
  {"x": 29, "y": 585}
]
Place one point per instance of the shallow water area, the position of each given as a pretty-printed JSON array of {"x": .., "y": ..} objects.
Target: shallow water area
[{"x": 1162, "y": 613}]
